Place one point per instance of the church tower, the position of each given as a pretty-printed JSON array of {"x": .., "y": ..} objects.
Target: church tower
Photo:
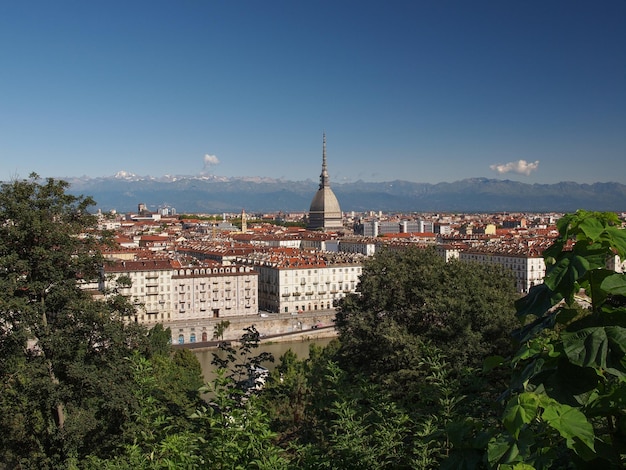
[
  {"x": 244, "y": 221},
  {"x": 325, "y": 213}
]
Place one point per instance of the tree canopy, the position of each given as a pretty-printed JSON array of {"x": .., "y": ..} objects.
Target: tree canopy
[
  {"x": 66, "y": 386},
  {"x": 412, "y": 296}
]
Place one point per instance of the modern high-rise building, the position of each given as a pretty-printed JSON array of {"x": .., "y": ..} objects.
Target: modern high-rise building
[{"x": 325, "y": 213}]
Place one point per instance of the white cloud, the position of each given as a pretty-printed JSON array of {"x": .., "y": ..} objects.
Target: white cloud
[
  {"x": 210, "y": 160},
  {"x": 521, "y": 167}
]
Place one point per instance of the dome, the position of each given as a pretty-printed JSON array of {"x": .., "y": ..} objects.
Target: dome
[
  {"x": 326, "y": 202},
  {"x": 324, "y": 212}
]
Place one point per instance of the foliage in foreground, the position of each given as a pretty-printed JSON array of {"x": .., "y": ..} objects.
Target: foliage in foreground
[
  {"x": 64, "y": 387},
  {"x": 566, "y": 402},
  {"x": 230, "y": 430},
  {"x": 67, "y": 361}
]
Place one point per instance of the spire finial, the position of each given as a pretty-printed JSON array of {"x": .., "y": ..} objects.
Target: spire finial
[
  {"x": 324, "y": 151},
  {"x": 324, "y": 175}
]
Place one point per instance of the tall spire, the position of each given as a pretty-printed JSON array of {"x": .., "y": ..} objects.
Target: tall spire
[
  {"x": 324, "y": 175},
  {"x": 325, "y": 213}
]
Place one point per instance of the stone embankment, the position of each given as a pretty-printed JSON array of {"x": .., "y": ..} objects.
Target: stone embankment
[{"x": 271, "y": 326}]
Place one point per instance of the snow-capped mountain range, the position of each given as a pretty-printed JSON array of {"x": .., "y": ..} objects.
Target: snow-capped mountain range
[{"x": 208, "y": 193}]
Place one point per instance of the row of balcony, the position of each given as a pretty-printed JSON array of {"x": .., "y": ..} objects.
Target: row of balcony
[{"x": 322, "y": 292}]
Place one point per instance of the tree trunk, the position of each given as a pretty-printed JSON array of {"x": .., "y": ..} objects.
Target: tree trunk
[{"x": 60, "y": 407}]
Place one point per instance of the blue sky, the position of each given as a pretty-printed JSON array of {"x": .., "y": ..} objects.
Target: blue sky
[{"x": 424, "y": 91}]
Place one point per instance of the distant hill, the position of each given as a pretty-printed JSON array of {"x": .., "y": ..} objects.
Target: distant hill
[{"x": 209, "y": 194}]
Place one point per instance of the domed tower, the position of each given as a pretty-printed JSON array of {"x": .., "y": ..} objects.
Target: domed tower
[{"x": 325, "y": 213}]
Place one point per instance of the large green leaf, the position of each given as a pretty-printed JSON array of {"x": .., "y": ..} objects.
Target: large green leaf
[
  {"x": 520, "y": 410},
  {"x": 616, "y": 238},
  {"x": 570, "y": 423},
  {"x": 502, "y": 450},
  {"x": 571, "y": 384},
  {"x": 614, "y": 284},
  {"x": 595, "y": 289},
  {"x": 598, "y": 347},
  {"x": 554, "y": 250},
  {"x": 492, "y": 362},
  {"x": 592, "y": 228},
  {"x": 557, "y": 272},
  {"x": 565, "y": 273},
  {"x": 595, "y": 254},
  {"x": 566, "y": 315},
  {"x": 539, "y": 300},
  {"x": 532, "y": 369},
  {"x": 530, "y": 331}
]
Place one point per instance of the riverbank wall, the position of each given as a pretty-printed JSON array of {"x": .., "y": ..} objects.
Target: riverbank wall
[{"x": 271, "y": 326}]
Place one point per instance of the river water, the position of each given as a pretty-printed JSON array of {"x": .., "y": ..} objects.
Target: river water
[{"x": 301, "y": 348}]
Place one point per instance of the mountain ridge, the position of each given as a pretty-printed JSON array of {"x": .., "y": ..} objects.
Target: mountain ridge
[{"x": 213, "y": 194}]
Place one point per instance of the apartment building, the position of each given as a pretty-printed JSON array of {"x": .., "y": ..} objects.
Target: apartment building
[
  {"x": 526, "y": 264},
  {"x": 215, "y": 291},
  {"x": 150, "y": 289},
  {"x": 361, "y": 245},
  {"x": 291, "y": 281},
  {"x": 165, "y": 291}
]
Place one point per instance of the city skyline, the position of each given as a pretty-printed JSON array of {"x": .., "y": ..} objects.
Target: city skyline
[{"x": 424, "y": 92}]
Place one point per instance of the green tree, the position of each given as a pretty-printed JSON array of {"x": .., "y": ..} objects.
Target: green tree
[
  {"x": 411, "y": 297},
  {"x": 566, "y": 402},
  {"x": 235, "y": 428},
  {"x": 220, "y": 328},
  {"x": 331, "y": 418},
  {"x": 243, "y": 369},
  {"x": 156, "y": 436},
  {"x": 287, "y": 395},
  {"x": 63, "y": 373},
  {"x": 358, "y": 426},
  {"x": 419, "y": 328},
  {"x": 236, "y": 433}
]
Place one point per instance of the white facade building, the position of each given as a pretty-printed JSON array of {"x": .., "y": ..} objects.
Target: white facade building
[
  {"x": 165, "y": 291},
  {"x": 361, "y": 245},
  {"x": 150, "y": 290},
  {"x": 303, "y": 289},
  {"x": 304, "y": 283},
  {"x": 528, "y": 267},
  {"x": 215, "y": 292}
]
